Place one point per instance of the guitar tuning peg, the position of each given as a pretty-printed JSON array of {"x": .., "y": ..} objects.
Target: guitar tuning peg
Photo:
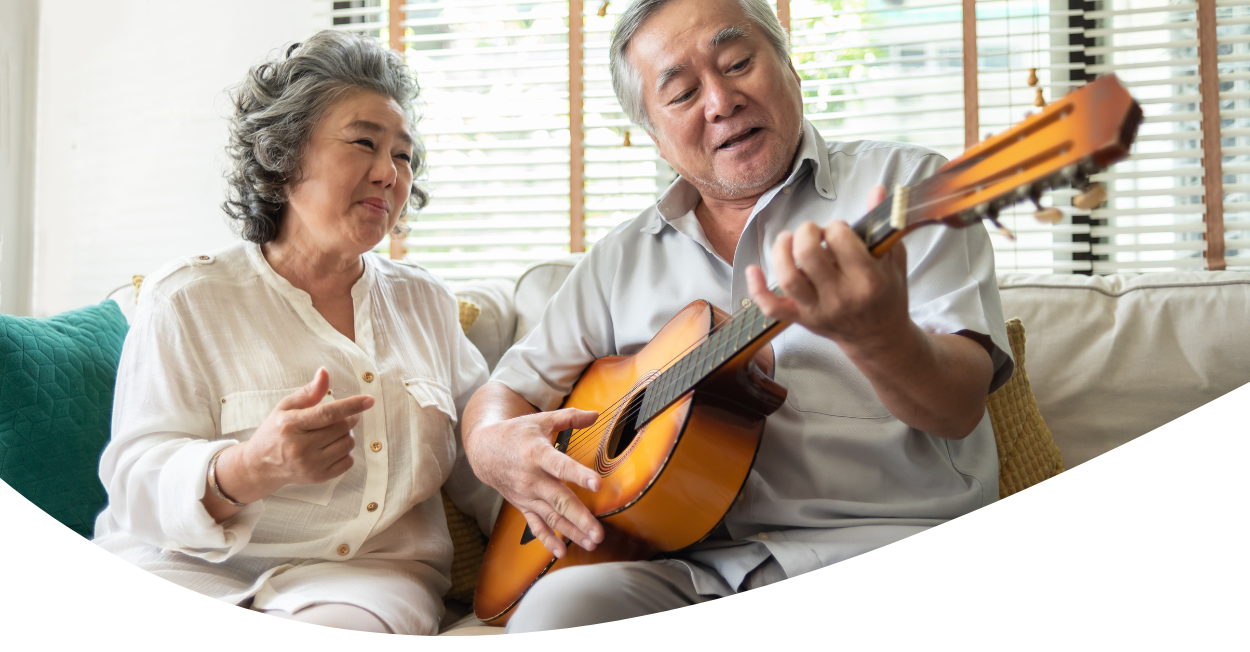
[
  {"x": 1002, "y": 230},
  {"x": 1049, "y": 215},
  {"x": 1092, "y": 197}
]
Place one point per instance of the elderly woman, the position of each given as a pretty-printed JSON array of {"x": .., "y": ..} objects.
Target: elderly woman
[{"x": 285, "y": 407}]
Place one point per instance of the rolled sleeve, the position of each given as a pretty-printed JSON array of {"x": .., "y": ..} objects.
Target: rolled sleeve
[
  {"x": 155, "y": 466},
  {"x": 951, "y": 282},
  {"x": 183, "y": 517}
]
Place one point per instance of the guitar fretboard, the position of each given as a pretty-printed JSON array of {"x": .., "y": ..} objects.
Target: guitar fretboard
[{"x": 723, "y": 344}]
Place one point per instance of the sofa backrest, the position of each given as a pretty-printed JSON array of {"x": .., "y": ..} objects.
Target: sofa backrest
[
  {"x": 1114, "y": 357},
  {"x": 1109, "y": 357}
]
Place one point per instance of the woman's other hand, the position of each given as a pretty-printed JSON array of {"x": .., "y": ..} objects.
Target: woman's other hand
[{"x": 303, "y": 441}]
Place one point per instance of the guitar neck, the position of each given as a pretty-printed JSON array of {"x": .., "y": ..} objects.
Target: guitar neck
[
  {"x": 729, "y": 339},
  {"x": 746, "y": 329}
]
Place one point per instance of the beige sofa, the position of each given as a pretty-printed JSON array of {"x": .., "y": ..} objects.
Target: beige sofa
[{"x": 1109, "y": 358}]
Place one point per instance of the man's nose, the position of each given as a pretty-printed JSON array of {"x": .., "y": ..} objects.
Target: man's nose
[{"x": 721, "y": 99}]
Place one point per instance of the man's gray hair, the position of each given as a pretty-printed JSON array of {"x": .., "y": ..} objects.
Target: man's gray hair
[
  {"x": 625, "y": 78},
  {"x": 278, "y": 106}
]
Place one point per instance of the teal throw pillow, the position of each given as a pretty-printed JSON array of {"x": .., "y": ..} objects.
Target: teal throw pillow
[{"x": 56, "y": 402}]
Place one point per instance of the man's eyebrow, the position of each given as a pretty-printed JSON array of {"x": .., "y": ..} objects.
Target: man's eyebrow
[
  {"x": 376, "y": 128},
  {"x": 721, "y": 37},
  {"x": 667, "y": 75},
  {"x": 726, "y": 35}
]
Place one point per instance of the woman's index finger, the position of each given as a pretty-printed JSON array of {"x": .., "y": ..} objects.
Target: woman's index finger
[{"x": 322, "y": 415}]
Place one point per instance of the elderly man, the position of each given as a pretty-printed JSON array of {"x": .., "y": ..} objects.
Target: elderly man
[{"x": 885, "y": 431}]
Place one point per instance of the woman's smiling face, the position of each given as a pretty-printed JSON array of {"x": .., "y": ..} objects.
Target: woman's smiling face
[{"x": 355, "y": 176}]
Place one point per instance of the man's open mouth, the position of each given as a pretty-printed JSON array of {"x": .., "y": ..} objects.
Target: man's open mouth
[{"x": 739, "y": 138}]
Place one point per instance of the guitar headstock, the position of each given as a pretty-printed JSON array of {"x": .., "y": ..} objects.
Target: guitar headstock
[{"x": 1076, "y": 136}]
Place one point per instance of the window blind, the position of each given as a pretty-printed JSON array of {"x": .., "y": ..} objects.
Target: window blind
[
  {"x": 495, "y": 79},
  {"x": 1019, "y": 41},
  {"x": 882, "y": 70},
  {"x": 1153, "y": 215},
  {"x": 624, "y": 172},
  {"x": 360, "y": 16}
]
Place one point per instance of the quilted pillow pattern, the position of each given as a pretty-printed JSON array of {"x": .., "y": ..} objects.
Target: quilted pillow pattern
[{"x": 56, "y": 402}]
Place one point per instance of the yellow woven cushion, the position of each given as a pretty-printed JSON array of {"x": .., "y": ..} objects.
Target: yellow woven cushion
[
  {"x": 468, "y": 544},
  {"x": 1027, "y": 453}
]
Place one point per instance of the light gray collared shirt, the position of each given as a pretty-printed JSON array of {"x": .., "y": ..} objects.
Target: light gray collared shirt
[{"x": 836, "y": 474}]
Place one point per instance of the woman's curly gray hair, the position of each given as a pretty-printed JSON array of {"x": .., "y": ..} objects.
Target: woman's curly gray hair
[{"x": 277, "y": 107}]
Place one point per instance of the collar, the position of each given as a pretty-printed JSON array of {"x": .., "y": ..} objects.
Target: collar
[
  {"x": 681, "y": 197},
  {"x": 276, "y": 281}
]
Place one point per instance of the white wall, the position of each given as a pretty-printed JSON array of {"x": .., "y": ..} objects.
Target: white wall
[
  {"x": 131, "y": 128},
  {"x": 19, "y": 29}
]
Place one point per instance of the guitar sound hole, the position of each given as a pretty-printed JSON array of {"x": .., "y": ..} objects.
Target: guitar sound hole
[{"x": 626, "y": 427}]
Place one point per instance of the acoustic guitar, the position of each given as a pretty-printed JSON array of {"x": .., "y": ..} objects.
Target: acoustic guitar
[{"x": 680, "y": 421}]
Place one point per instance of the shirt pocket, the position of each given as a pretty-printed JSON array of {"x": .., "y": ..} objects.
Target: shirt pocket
[
  {"x": 431, "y": 426},
  {"x": 243, "y": 412},
  {"x": 820, "y": 379}
]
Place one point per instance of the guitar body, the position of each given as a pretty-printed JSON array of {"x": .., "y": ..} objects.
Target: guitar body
[{"x": 667, "y": 484}]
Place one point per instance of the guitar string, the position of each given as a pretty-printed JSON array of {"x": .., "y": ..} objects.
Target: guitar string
[
  {"x": 606, "y": 416},
  {"x": 591, "y": 432}
]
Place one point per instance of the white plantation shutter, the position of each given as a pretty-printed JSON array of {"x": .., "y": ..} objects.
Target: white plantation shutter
[
  {"x": 360, "y": 16},
  {"x": 1013, "y": 37},
  {"x": 1153, "y": 215},
  {"x": 621, "y": 180},
  {"x": 882, "y": 70},
  {"x": 496, "y": 92},
  {"x": 494, "y": 95}
]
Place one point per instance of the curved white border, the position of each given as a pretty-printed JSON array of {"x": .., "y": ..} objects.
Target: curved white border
[{"x": 1141, "y": 546}]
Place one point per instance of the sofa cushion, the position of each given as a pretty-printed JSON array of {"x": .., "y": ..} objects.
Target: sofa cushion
[
  {"x": 56, "y": 402},
  {"x": 493, "y": 329},
  {"x": 1026, "y": 452},
  {"x": 1114, "y": 357},
  {"x": 534, "y": 289}
]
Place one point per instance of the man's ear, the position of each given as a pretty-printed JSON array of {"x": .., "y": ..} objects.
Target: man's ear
[{"x": 659, "y": 145}]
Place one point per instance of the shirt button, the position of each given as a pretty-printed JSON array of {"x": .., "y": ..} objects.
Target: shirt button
[
  {"x": 368, "y": 376},
  {"x": 763, "y": 536},
  {"x": 787, "y": 190},
  {"x": 376, "y": 446},
  {"x": 746, "y": 303},
  {"x": 344, "y": 549},
  {"x": 373, "y": 507}
]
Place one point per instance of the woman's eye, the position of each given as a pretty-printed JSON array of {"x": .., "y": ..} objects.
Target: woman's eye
[
  {"x": 406, "y": 157},
  {"x": 741, "y": 64},
  {"x": 364, "y": 141}
]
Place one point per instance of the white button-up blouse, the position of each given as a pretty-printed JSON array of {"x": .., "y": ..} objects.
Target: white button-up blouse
[{"x": 216, "y": 342}]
